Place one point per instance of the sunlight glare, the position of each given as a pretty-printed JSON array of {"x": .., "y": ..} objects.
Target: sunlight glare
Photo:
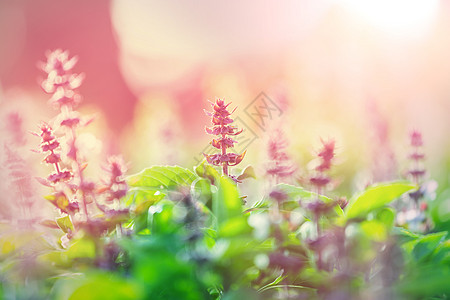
[{"x": 398, "y": 17}]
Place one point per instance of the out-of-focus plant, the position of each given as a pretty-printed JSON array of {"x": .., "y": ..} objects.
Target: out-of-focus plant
[
  {"x": 413, "y": 214},
  {"x": 280, "y": 167}
]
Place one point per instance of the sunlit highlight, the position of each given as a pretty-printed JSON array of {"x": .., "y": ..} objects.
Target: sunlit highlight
[{"x": 399, "y": 17}]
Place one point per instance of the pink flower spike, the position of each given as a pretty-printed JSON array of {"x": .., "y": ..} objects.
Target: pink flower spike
[
  {"x": 416, "y": 139},
  {"x": 279, "y": 165},
  {"x": 115, "y": 187},
  {"x": 60, "y": 80},
  {"x": 220, "y": 118},
  {"x": 320, "y": 180},
  {"x": 327, "y": 152}
]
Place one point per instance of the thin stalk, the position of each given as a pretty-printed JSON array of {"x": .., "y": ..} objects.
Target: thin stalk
[
  {"x": 224, "y": 164},
  {"x": 79, "y": 171},
  {"x": 317, "y": 219}
]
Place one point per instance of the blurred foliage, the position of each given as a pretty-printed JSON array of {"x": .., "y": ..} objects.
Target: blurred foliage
[{"x": 190, "y": 236}]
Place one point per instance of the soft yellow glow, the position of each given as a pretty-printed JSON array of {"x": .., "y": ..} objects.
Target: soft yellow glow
[{"x": 398, "y": 17}]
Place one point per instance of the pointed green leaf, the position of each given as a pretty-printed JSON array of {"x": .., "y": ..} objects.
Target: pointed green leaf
[
  {"x": 162, "y": 178},
  {"x": 375, "y": 230},
  {"x": 248, "y": 172},
  {"x": 152, "y": 184},
  {"x": 206, "y": 171},
  {"x": 427, "y": 245},
  {"x": 65, "y": 223},
  {"x": 226, "y": 201},
  {"x": 375, "y": 197}
]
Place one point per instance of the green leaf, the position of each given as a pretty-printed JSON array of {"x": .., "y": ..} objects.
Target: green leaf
[
  {"x": 406, "y": 238},
  {"x": 375, "y": 230},
  {"x": 98, "y": 286},
  {"x": 65, "y": 223},
  {"x": 205, "y": 170},
  {"x": 234, "y": 227},
  {"x": 162, "y": 178},
  {"x": 248, "y": 172},
  {"x": 143, "y": 199},
  {"x": 375, "y": 197},
  {"x": 296, "y": 193},
  {"x": 226, "y": 201},
  {"x": 426, "y": 245},
  {"x": 386, "y": 216},
  {"x": 442, "y": 253},
  {"x": 201, "y": 190},
  {"x": 427, "y": 280},
  {"x": 59, "y": 200},
  {"x": 152, "y": 184},
  {"x": 161, "y": 218},
  {"x": 404, "y": 234},
  {"x": 81, "y": 248}
]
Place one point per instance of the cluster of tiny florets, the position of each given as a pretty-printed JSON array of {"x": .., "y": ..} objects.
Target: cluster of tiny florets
[
  {"x": 52, "y": 148},
  {"x": 417, "y": 156},
  {"x": 115, "y": 185},
  {"x": 279, "y": 165},
  {"x": 221, "y": 120},
  {"x": 61, "y": 81},
  {"x": 325, "y": 155},
  {"x": 417, "y": 169}
]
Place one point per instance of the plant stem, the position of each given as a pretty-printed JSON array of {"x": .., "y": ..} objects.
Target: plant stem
[{"x": 224, "y": 152}]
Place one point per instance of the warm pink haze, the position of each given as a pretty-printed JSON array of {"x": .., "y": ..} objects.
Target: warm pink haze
[
  {"x": 363, "y": 72},
  {"x": 224, "y": 150}
]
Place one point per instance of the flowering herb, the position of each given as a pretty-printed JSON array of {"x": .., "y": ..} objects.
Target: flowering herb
[
  {"x": 417, "y": 170},
  {"x": 280, "y": 166},
  {"x": 417, "y": 156},
  {"x": 115, "y": 186},
  {"x": 326, "y": 154},
  {"x": 221, "y": 120},
  {"x": 320, "y": 180},
  {"x": 61, "y": 83},
  {"x": 51, "y": 146}
]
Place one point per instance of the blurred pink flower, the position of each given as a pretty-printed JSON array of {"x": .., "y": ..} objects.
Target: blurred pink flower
[
  {"x": 326, "y": 154},
  {"x": 60, "y": 80},
  {"x": 279, "y": 165},
  {"x": 116, "y": 186}
]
